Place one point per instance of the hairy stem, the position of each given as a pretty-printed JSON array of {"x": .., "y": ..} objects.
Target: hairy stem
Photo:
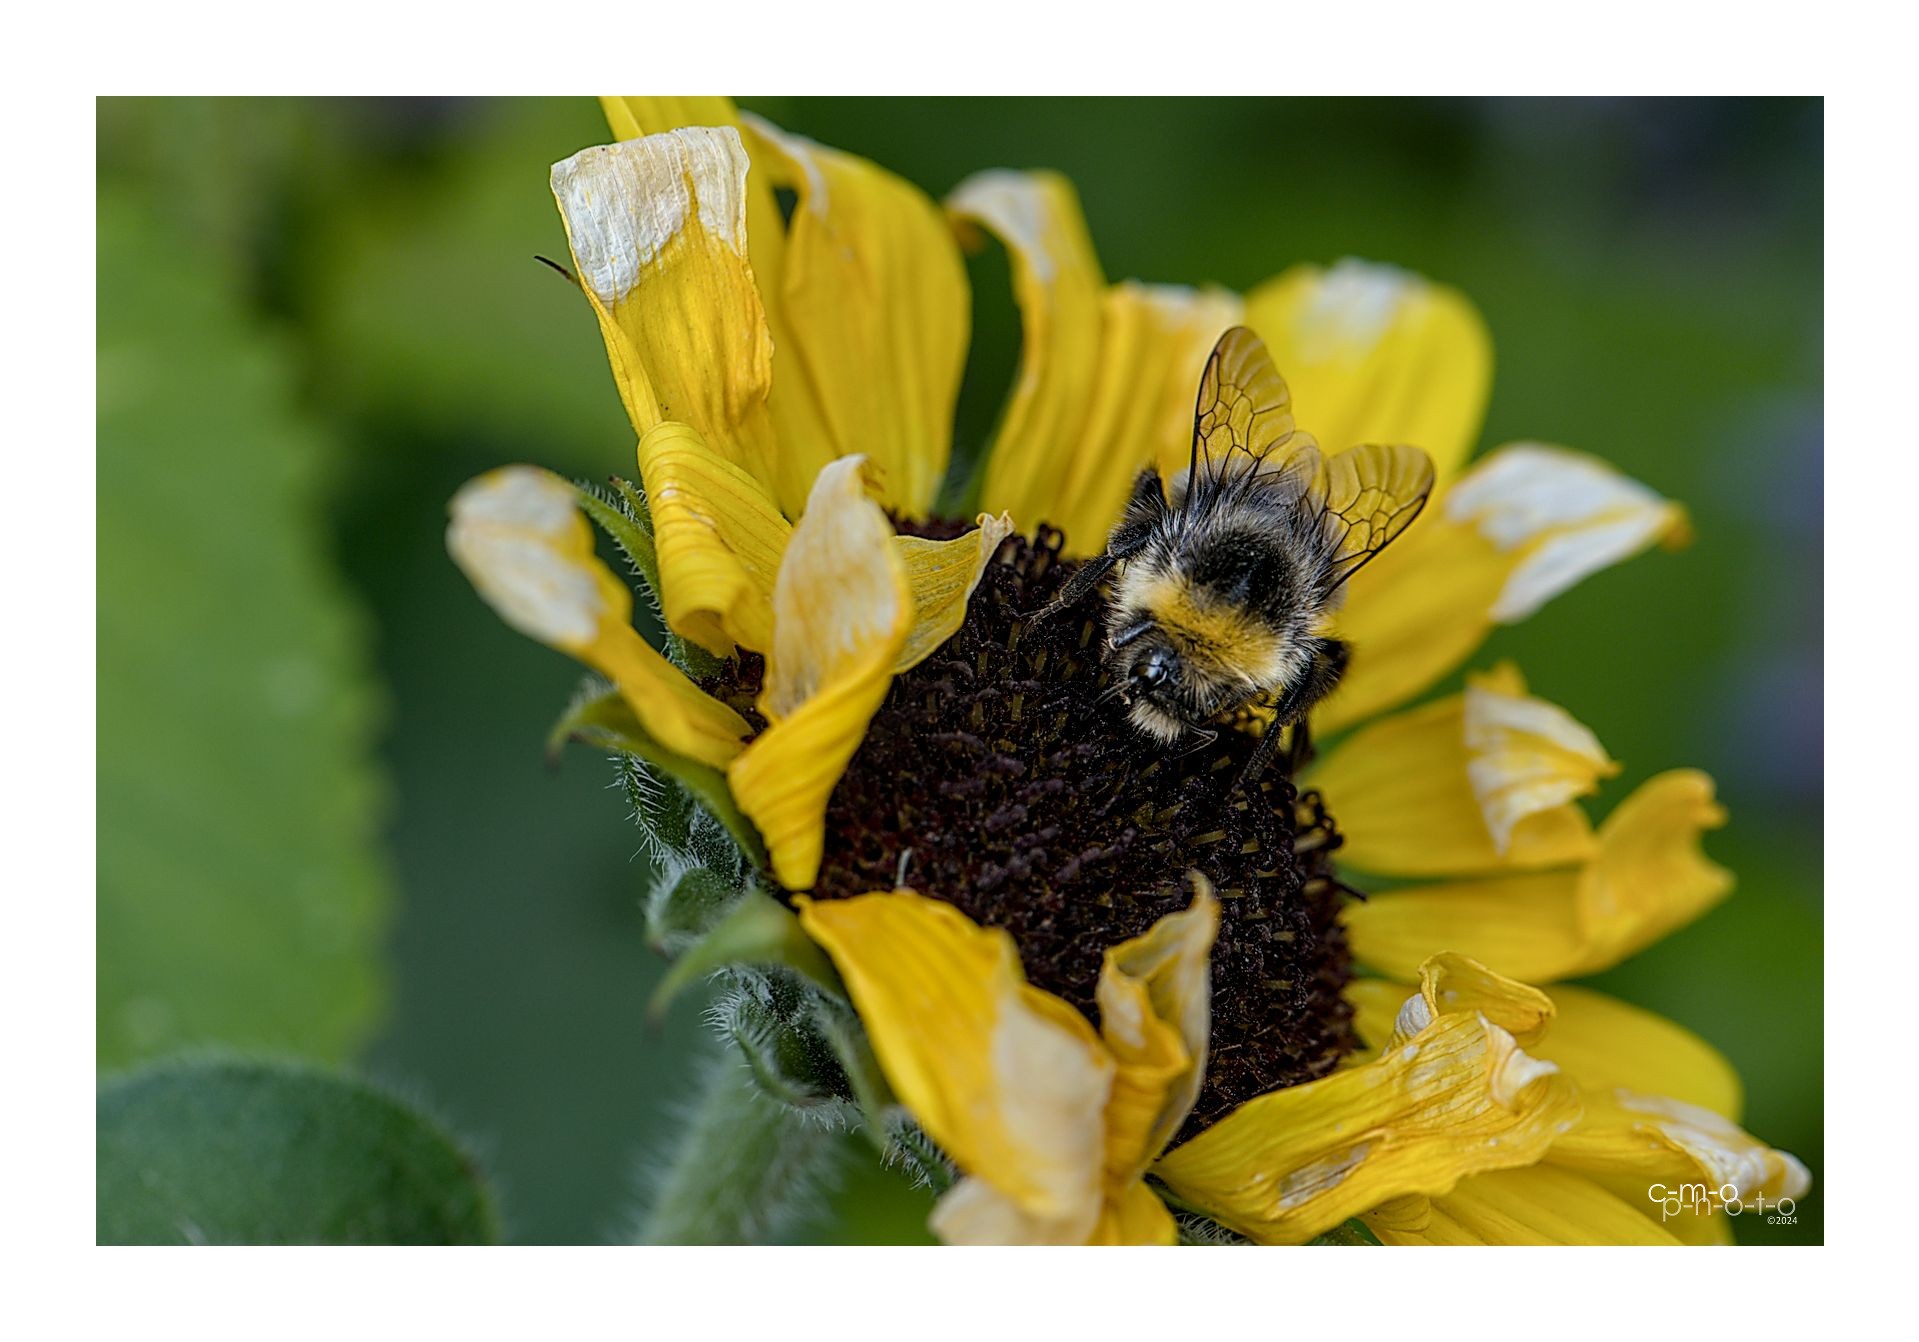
[{"x": 748, "y": 1168}]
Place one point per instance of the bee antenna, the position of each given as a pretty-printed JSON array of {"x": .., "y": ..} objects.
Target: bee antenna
[{"x": 564, "y": 273}]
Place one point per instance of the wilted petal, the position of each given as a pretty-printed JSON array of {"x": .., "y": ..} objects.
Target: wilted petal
[
  {"x": 518, "y": 535},
  {"x": 720, "y": 539},
  {"x": 1458, "y": 1099},
  {"x": 1524, "y": 524},
  {"x": 1155, "y": 1013},
  {"x": 842, "y": 612},
  {"x": 1535, "y": 1205},
  {"x": 1648, "y": 878},
  {"x": 657, "y": 227},
  {"x": 1060, "y": 291},
  {"x": 1009, "y": 1081},
  {"x": 1472, "y": 783}
]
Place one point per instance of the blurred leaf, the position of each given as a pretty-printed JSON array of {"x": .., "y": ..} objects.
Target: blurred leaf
[
  {"x": 235, "y": 1152},
  {"x": 430, "y": 310},
  {"x": 241, "y": 891}
]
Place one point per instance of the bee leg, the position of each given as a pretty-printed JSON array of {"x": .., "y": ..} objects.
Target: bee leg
[
  {"x": 1330, "y": 656},
  {"x": 1085, "y": 580},
  {"x": 1135, "y": 529},
  {"x": 1262, "y": 756}
]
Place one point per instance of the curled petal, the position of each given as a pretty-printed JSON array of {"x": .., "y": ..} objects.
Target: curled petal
[
  {"x": 1009, "y": 1081},
  {"x": 875, "y": 310},
  {"x": 1651, "y": 877},
  {"x": 1450, "y": 983},
  {"x": 842, "y": 611},
  {"x": 720, "y": 539},
  {"x": 1472, "y": 783},
  {"x": 1375, "y": 354},
  {"x": 1535, "y": 1205},
  {"x": 1459, "y": 1099},
  {"x": 942, "y": 575},
  {"x": 518, "y": 535},
  {"x": 1599, "y": 1041},
  {"x": 1648, "y": 879},
  {"x": 1562, "y": 514},
  {"x": 1524, "y": 524},
  {"x": 1640, "y": 1140},
  {"x": 657, "y": 227},
  {"x": 1526, "y": 758},
  {"x": 1059, "y": 288},
  {"x": 1155, "y": 1012}
]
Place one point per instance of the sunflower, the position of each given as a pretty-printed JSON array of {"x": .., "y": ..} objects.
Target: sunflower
[{"x": 951, "y": 808}]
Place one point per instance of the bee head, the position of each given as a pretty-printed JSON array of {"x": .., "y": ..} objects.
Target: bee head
[{"x": 1169, "y": 690}]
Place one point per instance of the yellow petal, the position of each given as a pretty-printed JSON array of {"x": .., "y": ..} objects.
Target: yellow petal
[
  {"x": 518, "y": 535},
  {"x": 1411, "y": 615},
  {"x": 875, "y": 309},
  {"x": 841, "y": 614},
  {"x": 1534, "y": 1205},
  {"x": 657, "y": 227},
  {"x": 1008, "y": 1081},
  {"x": 1651, "y": 877},
  {"x": 1471, "y": 783},
  {"x": 1648, "y": 879},
  {"x": 720, "y": 540},
  {"x": 974, "y": 1212},
  {"x": 1155, "y": 1013},
  {"x": 1450, "y": 983},
  {"x": 1603, "y": 1044},
  {"x": 1135, "y": 1216},
  {"x": 1521, "y": 526},
  {"x": 1375, "y": 354},
  {"x": 1526, "y": 759},
  {"x": 1060, "y": 291},
  {"x": 1599, "y": 1041},
  {"x": 1154, "y": 342},
  {"x": 1646, "y": 1140},
  {"x": 1524, "y": 926},
  {"x": 1562, "y": 514},
  {"x": 633, "y": 117},
  {"x": 942, "y": 575},
  {"x": 1459, "y": 1099}
]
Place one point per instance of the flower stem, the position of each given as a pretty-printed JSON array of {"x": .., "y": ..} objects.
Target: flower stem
[{"x": 748, "y": 1168}]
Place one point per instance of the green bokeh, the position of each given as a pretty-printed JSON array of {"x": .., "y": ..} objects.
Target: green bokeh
[{"x": 1651, "y": 273}]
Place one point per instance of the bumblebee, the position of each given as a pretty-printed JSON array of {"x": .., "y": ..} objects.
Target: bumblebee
[{"x": 1226, "y": 577}]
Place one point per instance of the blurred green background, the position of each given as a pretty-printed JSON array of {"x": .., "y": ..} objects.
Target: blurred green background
[{"x": 325, "y": 827}]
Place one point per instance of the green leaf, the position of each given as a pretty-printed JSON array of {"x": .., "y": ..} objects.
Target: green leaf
[
  {"x": 759, "y": 930},
  {"x": 242, "y": 892},
  {"x": 221, "y": 1151}
]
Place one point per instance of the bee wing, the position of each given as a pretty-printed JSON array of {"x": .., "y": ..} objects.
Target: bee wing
[
  {"x": 1368, "y": 496},
  {"x": 1243, "y": 406}
]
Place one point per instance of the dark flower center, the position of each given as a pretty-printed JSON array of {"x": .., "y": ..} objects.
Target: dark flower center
[{"x": 1000, "y": 777}]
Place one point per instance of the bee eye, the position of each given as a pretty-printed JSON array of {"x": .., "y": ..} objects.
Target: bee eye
[{"x": 1152, "y": 670}]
